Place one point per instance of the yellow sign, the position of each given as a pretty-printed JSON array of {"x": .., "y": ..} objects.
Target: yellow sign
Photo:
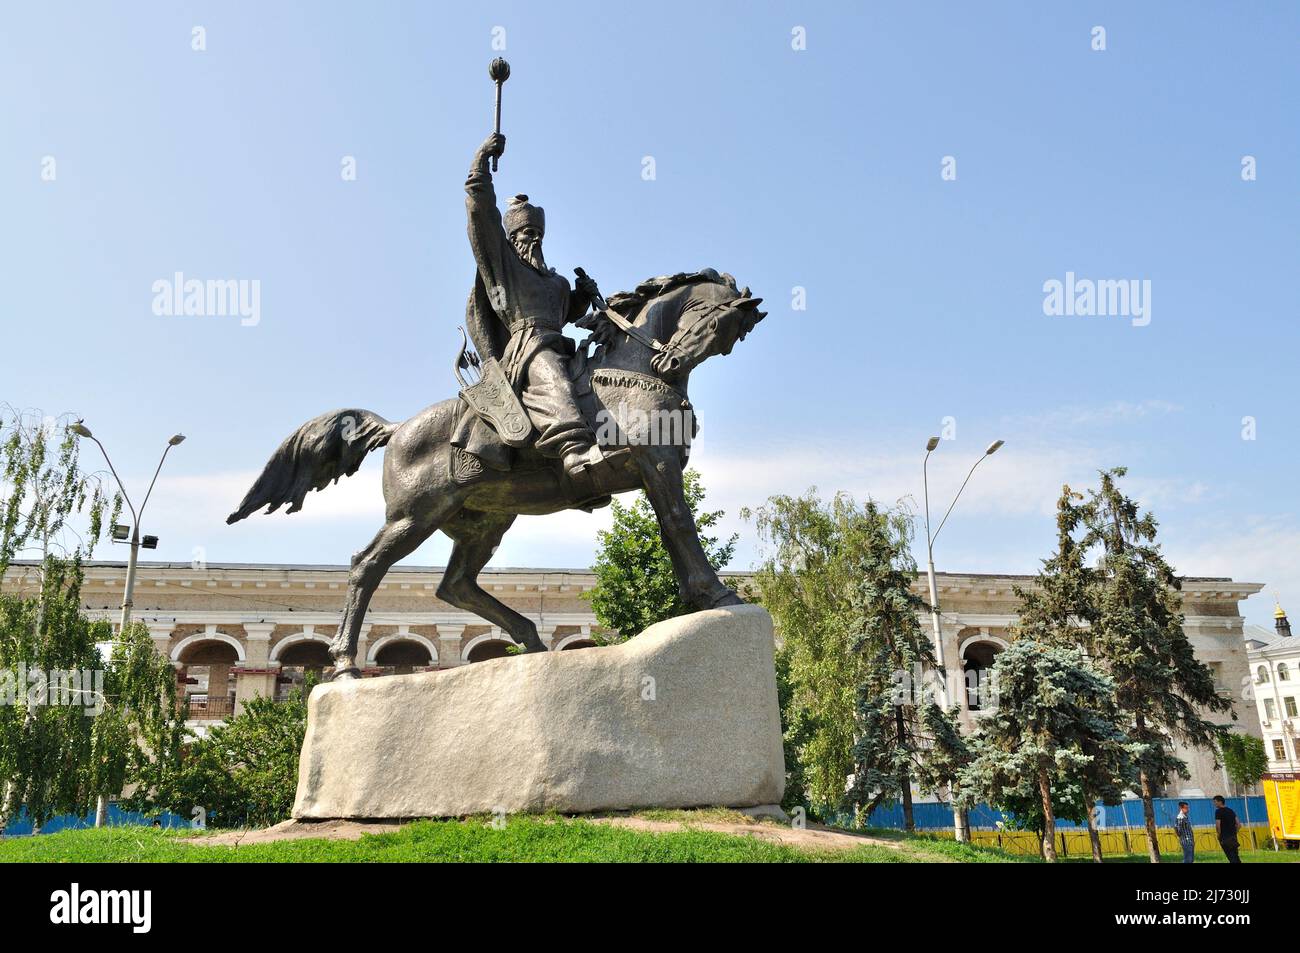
[{"x": 1282, "y": 795}]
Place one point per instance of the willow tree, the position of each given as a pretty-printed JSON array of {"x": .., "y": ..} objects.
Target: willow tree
[
  {"x": 837, "y": 579},
  {"x": 77, "y": 725},
  {"x": 46, "y": 739},
  {"x": 1136, "y": 632}
]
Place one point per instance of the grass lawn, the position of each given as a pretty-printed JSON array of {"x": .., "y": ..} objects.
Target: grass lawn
[{"x": 475, "y": 840}]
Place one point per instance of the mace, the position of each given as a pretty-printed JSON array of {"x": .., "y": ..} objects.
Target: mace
[{"x": 499, "y": 71}]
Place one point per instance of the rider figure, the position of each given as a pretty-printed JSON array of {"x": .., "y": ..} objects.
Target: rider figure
[{"x": 531, "y": 303}]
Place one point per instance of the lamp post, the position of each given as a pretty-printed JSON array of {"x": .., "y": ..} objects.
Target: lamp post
[
  {"x": 961, "y": 824},
  {"x": 149, "y": 542}
]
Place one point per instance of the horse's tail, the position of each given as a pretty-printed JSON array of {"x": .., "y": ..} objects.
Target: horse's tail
[{"x": 313, "y": 456}]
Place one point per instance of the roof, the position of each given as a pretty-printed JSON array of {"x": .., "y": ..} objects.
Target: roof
[{"x": 336, "y": 567}]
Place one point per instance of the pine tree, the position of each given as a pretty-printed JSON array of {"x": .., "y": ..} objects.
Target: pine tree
[
  {"x": 1054, "y": 717},
  {"x": 1057, "y": 610},
  {"x": 1136, "y": 631}
]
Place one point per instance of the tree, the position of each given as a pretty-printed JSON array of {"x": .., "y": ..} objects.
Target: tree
[
  {"x": 1136, "y": 630},
  {"x": 898, "y": 723},
  {"x": 794, "y": 735},
  {"x": 1055, "y": 717},
  {"x": 47, "y": 737},
  {"x": 139, "y": 731},
  {"x": 837, "y": 582},
  {"x": 241, "y": 774},
  {"x": 1246, "y": 760},
  {"x": 635, "y": 584},
  {"x": 91, "y": 725},
  {"x": 1057, "y": 611}
]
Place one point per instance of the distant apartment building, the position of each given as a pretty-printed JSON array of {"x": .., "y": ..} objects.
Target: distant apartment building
[{"x": 1275, "y": 670}]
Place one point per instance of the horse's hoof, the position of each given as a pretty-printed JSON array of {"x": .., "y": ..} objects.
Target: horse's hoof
[
  {"x": 539, "y": 647},
  {"x": 346, "y": 674},
  {"x": 729, "y": 598}
]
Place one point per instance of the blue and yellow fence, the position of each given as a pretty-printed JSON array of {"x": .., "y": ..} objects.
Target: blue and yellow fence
[{"x": 1122, "y": 826}]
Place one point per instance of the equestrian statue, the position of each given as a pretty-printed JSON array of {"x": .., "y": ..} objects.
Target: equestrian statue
[{"x": 541, "y": 423}]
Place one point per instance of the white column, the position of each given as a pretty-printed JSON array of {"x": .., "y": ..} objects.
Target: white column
[
  {"x": 161, "y": 633},
  {"x": 546, "y": 632},
  {"x": 257, "y": 643},
  {"x": 363, "y": 644},
  {"x": 449, "y": 639}
]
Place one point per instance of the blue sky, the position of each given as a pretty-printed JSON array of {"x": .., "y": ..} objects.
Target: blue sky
[{"x": 816, "y": 168}]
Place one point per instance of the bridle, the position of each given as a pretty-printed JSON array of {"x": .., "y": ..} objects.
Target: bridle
[{"x": 653, "y": 344}]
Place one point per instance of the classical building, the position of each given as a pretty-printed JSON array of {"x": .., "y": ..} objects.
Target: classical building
[
  {"x": 239, "y": 630},
  {"x": 1275, "y": 668}
]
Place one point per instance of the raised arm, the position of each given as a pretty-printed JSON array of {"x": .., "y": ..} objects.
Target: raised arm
[{"x": 487, "y": 233}]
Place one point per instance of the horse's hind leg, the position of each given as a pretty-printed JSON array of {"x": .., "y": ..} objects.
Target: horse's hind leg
[
  {"x": 397, "y": 540},
  {"x": 476, "y": 535}
]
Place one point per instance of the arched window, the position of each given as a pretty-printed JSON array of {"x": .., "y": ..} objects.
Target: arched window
[
  {"x": 205, "y": 673},
  {"x": 1261, "y": 675},
  {"x": 403, "y": 656},
  {"x": 1283, "y": 673},
  {"x": 978, "y": 655}
]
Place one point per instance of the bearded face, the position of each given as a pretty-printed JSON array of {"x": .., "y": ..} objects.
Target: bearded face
[{"x": 528, "y": 243}]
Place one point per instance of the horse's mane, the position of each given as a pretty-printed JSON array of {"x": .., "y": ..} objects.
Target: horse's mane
[{"x": 627, "y": 303}]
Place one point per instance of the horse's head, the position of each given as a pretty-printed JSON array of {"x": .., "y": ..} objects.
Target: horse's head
[{"x": 703, "y": 318}]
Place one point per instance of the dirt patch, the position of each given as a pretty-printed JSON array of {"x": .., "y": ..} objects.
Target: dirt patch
[
  {"x": 298, "y": 830},
  {"x": 812, "y": 837}
]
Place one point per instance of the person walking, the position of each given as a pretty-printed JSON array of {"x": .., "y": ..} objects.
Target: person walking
[
  {"x": 1186, "y": 836},
  {"x": 1225, "y": 825}
]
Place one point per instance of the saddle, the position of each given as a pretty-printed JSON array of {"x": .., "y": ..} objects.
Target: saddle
[{"x": 492, "y": 429}]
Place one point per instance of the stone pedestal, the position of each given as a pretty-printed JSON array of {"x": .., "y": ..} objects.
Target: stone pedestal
[{"x": 683, "y": 715}]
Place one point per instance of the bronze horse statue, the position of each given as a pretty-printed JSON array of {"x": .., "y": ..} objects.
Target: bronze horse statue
[{"x": 632, "y": 389}]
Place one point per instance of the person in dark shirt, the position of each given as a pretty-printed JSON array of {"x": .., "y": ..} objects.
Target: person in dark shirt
[{"x": 1225, "y": 825}]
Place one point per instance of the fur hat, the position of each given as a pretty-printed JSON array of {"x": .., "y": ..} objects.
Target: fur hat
[{"x": 520, "y": 213}]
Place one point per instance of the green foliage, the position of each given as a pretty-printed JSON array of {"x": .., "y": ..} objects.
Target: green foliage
[
  {"x": 48, "y": 740},
  {"x": 45, "y": 746},
  {"x": 1133, "y": 605},
  {"x": 635, "y": 584},
  {"x": 1244, "y": 758},
  {"x": 1054, "y": 613},
  {"x": 243, "y": 773},
  {"x": 837, "y": 580},
  {"x": 42, "y": 488},
  {"x": 1054, "y": 722},
  {"x": 141, "y": 731},
  {"x": 794, "y": 737}
]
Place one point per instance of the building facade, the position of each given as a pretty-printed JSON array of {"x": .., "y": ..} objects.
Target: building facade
[
  {"x": 236, "y": 631},
  {"x": 1274, "y": 659}
]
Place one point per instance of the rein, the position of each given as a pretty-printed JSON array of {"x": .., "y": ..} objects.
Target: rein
[{"x": 636, "y": 334}]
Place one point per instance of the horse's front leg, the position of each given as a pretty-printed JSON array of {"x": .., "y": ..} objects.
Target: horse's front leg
[{"x": 661, "y": 474}]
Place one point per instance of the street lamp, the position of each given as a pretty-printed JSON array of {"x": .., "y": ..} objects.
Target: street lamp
[
  {"x": 961, "y": 825},
  {"x": 118, "y": 534},
  {"x": 930, "y": 446}
]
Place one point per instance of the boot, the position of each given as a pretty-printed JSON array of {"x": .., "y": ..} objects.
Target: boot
[{"x": 579, "y": 458}]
